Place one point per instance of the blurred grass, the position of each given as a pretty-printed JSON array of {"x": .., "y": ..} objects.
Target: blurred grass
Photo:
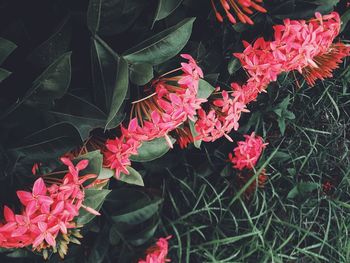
[{"x": 211, "y": 221}]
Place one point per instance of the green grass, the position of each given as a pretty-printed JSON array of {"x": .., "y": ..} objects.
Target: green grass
[{"x": 211, "y": 221}]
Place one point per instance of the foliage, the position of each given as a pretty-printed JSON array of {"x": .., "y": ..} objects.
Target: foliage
[{"x": 69, "y": 71}]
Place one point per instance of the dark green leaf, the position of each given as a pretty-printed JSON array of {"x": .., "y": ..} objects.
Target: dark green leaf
[
  {"x": 110, "y": 78},
  {"x": 140, "y": 74},
  {"x": 138, "y": 212},
  {"x": 152, "y": 150},
  {"x": 142, "y": 237},
  {"x": 165, "y": 8},
  {"x": 114, "y": 235},
  {"x": 109, "y": 17},
  {"x": 52, "y": 84},
  {"x": 47, "y": 144},
  {"x": 54, "y": 47},
  {"x": 4, "y": 74},
  {"x": 100, "y": 247},
  {"x": 81, "y": 113},
  {"x": 233, "y": 66},
  {"x": 163, "y": 45},
  {"x": 94, "y": 198},
  {"x": 345, "y": 20},
  {"x": 6, "y": 48}
]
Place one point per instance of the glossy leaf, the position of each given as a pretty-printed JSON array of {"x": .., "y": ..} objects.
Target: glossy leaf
[
  {"x": 138, "y": 212},
  {"x": 6, "y": 48},
  {"x": 47, "y": 144},
  {"x": 4, "y": 74},
  {"x": 134, "y": 177},
  {"x": 54, "y": 47},
  {"x": 52, "y": 84},
  {"x": 140, "y": 238},
  {"x": 140, "y": 74},
  {"x": 165, "y": 8},
  {"x": 94, "y": 198},
  {"x": 162, "y": 46},
  {"x": 152, "y": 150},
  {"x": 110, "y": 78},
  {"x": 82, "y": 114},
  {"x": 109, "y": 17},
  {"x": 204, "y": 89}
]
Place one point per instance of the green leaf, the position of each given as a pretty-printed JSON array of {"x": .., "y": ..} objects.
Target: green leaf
[
  {"x": 110, "y": 79},
  {"x": 165, "y": 8},
  {"x": 152, "y": 150},
  {"x": 233, "y": 66},
  {"x": 105, "y": 173},
  {"x": 53, "y": 47},
  {"x": 94, "y": 198},
  {"x": 138, "y": 212},
  {"x": 47, "y": 144},
  {"x": 134, "y": 177},
  {"x": 4, "y": 74},
  {"x": 81, "y": 113},
  {"x": 302, "y": 188},
  {"x": 163, "y": 45},
  {"x": 282, "y": 125},
  {"x": 345, "y": 18},
  {"x": 114, "y": 235},
  {"x": 100, "y": 247},
  {"x": 140, "y": 238},
  {"x": 204, "y": 89},
  {"x": 119, "y": 93},
  {"x": 51, "y": 84},
  {"x": 140, "y": 74},
  {"x": 93, "y": 15},
  {"x": 6, "y": 48},
  {"x": 109, "y": 17},
  {"x": 197, "y": 143}
]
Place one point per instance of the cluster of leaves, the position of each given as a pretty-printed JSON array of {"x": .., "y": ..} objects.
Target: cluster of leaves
[{"x": 76, "y": 65}]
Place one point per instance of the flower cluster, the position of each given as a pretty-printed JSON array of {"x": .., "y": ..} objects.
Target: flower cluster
[
  {"x": 245, "y": 157},
  {"x": 221, "y": 119},
  {"x": 158, "y": 252},
  {"x": 247, "y": 153},
  {"x": 173, "y": 101},
  {"x": 47, "y": 211},
  {"x": 305, "y": 46},
  {"x": 241, "y": 8}
]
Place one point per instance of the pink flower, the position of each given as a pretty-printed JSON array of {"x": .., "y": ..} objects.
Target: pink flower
[
  {"x": 305, "y": 46},
  {"x": 47, "y": 234},
  {"x": 118, "y": 152},
  {"x": 248, "y": 152},
  {"x": 173, "y": 102},
  {"x": 37, "y": 198},
  {"x": 47, "y": 211},
  {"x": 222, "y": 118},
  {"x": 158, "y": 252}
]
